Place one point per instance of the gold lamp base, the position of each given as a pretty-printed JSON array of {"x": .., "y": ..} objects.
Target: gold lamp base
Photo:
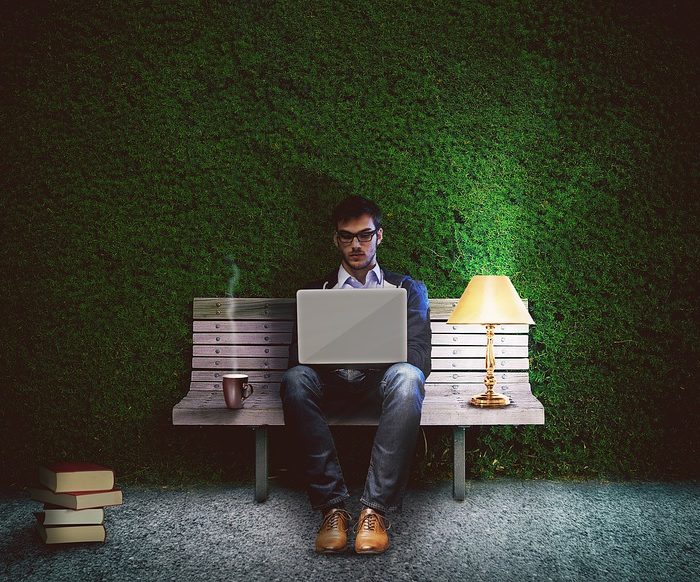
[{"x": 490, "y": 400}]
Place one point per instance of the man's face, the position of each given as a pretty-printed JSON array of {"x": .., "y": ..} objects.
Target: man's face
[{"x": 356, "y": 254}]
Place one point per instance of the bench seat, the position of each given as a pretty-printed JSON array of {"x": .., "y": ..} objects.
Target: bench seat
[{"x": 444, "y": 405}]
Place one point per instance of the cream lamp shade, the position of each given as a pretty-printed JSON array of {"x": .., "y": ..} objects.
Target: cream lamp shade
[{"x": 490, "y": 299}]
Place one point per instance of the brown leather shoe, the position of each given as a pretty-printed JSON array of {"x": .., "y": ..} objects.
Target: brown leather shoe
[
  {"x": 332, "y": 537},
  {"x": 371, "y": 536}
]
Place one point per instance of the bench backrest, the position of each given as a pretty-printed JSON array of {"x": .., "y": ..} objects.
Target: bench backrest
[{"x": 252, "y": 336}]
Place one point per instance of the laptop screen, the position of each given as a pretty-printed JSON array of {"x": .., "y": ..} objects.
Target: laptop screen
[{"x": 352, "y": 326}]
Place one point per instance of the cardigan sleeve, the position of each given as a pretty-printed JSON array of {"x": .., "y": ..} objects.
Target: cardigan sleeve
[{"x": 418, "y": 323}]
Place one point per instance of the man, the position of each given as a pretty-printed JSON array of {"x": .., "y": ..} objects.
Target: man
[{"x": 395, "y": 394}]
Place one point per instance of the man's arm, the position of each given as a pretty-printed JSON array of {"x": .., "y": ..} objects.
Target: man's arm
[{"x": 419, "y": 334}]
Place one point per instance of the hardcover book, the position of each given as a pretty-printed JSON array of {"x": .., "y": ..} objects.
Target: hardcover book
[
  {"x": 55, "y": 515},
  {"x": 78, "y": 499},
  {"x": 69, "y": 533},
  {"x": 76, "y": 476}
]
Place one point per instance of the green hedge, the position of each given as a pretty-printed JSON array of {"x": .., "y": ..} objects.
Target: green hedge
[{"x": 144, "y": 144}]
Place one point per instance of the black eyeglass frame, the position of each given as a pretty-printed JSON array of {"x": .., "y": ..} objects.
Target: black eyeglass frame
[{"x": 363, "y": 236}]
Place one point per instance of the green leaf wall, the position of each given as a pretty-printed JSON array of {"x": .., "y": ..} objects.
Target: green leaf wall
[{"x": 144, "y": 143}]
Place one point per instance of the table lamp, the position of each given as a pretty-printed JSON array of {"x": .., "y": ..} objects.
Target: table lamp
[{"x": 490, "y": 300}]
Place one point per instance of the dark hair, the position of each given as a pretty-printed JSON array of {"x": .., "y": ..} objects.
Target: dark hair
[{"x": 354, "y": 207}]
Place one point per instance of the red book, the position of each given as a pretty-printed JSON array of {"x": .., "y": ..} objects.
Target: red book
[
  {"x": 76, "y": 476},
  {"x": 78, "y": 499}
]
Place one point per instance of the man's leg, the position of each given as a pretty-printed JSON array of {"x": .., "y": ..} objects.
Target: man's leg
[
  {"x": 302, "y": 393},
  {"x": 402, "y": 390}
]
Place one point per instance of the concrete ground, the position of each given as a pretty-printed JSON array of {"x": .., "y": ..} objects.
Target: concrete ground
[{"x": 504, "y": 530}]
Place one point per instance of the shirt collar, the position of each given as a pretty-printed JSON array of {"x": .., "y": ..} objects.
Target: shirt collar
[{"x": 343, "y": 275}]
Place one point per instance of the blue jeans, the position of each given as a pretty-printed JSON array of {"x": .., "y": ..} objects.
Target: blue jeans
[{"x": 393, "y": 396}]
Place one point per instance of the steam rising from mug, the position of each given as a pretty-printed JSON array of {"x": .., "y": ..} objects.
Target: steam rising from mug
[
  {"x": 232, "y": 282},
  {"x": 233, "y": 279}
]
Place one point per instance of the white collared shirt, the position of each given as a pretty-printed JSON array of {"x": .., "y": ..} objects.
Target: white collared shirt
[{"x": 372, "y": 280}]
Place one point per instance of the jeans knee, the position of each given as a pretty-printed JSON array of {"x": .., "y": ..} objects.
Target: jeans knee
[
  {"x": 404, "y": 381},
  {"x": 300, "y": 382}
]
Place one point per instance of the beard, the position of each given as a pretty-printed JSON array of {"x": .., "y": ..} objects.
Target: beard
[{"x": 361, "y": 261}]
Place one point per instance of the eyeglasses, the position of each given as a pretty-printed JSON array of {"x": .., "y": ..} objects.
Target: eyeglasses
[{"x": 346, "y": 237}]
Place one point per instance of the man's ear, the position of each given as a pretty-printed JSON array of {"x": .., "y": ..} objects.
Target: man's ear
[{"x": 380, "y": 234}]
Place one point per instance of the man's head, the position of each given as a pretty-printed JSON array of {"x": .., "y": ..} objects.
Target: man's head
[{"x": 357, "y": 224}]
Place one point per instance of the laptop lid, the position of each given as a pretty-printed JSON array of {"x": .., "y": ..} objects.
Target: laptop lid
[{"x": 352, "y": 326}]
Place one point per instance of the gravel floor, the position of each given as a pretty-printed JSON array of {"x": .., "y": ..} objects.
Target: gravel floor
[{"x": 505, "y": 530}]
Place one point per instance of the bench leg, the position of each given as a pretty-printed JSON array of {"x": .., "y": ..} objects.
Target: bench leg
[
  {"x": 260, "y": 463},
  {"x": 459, "y": 469}
]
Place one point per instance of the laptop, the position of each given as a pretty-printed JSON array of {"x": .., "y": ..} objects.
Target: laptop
[{"x": 352, "y": 327}]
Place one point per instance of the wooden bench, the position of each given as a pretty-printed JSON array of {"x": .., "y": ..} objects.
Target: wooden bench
[{"x": 253, "y": 336}]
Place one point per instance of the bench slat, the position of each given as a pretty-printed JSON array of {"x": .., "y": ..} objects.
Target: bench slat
[
  {"x": 211, "y": 379},
  {"x": 441, "y": 309},
  {"x": 243, "y": 308},
  {"x": 282, "y": 351},
  {"x": 442, "y": 327},
  {"x": 432, "y": 389},
  {"x": 284, "y": 326},
  {"x": 238, "y": 326},
  {"x": 254, "y": 375},
  {"x": 472, "y": 339},
  {"x": 443, "y": 409},
  {"x": 462, "y": 376},
  {"x": 271, "y": 384},
  {"x": 229, "y": 364},
  {"x": 478, "y": 352},
  {"x": 271, "y": 363},
  {"x": 242, "y": 338},
  {"x": 478, "y": 364},
  {"x": 210, "y": 386},
  {"x": 246, "y": 351},
  {"x": 272, "y": 337}
]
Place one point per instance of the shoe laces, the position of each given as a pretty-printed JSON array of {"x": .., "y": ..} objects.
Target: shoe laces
[
  {"x": 370, "y": 521},
  {"x": 332, "y": 519}
]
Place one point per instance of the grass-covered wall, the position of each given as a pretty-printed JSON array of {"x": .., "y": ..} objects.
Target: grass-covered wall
[{"x": 143, "y": 144}]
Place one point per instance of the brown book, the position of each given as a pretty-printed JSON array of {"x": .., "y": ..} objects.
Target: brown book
[
  {"x": 78, "y": 499},
  {"x": 55, "y": 515},
  {"x": 63, "y": 534},
  {"x": 76, "y": 476}
]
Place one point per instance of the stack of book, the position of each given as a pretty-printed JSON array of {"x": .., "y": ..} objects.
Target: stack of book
[{"x": 74, "y": 496}]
